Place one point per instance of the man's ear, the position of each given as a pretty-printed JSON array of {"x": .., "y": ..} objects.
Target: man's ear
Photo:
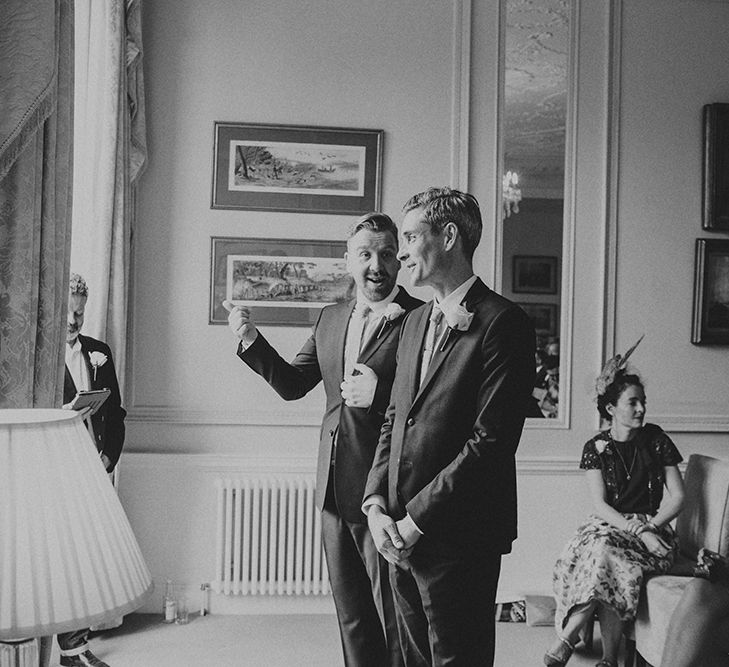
[{"x": 450, "y": 235}]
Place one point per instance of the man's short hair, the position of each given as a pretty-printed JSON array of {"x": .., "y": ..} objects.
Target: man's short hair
[
  {"x": 443, "y": 205},
  {"x": 77, "y": 285},
  {"x": 374, "y": 222}
]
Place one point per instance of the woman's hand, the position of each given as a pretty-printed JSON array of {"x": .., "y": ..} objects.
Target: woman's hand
[
  {"x": 634, "y": 526},
  {"x": 655, "y": 544}
]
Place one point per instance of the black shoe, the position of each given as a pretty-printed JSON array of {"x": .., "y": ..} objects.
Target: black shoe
[{"x": 85, "y": 659}]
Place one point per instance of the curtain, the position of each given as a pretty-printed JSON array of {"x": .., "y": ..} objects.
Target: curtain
[
  {"x": 110, "y": 154},
  {"x": 36, "y": 162}
]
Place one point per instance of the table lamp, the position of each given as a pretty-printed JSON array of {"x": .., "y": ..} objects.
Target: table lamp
[{"x": 68, "y": 557}]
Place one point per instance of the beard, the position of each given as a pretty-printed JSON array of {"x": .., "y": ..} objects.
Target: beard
[{"x": 378, "y": 289}]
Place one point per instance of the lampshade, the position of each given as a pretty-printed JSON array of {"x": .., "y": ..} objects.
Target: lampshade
[{"x": 68, "y": 557}]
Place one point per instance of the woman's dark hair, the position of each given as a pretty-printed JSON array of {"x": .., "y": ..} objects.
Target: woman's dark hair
[{"x": 614, "y": 390}]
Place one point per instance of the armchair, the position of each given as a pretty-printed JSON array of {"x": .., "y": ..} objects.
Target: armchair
[{"x": 704, "y": 522}]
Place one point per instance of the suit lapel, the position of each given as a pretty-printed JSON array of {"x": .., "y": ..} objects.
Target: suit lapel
[
  {"x": 449, "y": 338},
  {"x": 381, "y": 333},
  {"x": 94, "y": 382},
  {"x": 375, "y": 340},
  {"x": 442, "y": 349},
  {"x": 421, "y": 325},
  {"x": 69, "y": 386},
  {"x": 340, "y": 336}
]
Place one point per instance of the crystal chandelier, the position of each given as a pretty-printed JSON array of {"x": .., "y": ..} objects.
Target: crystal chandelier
[{"x": 510, "y": 193}]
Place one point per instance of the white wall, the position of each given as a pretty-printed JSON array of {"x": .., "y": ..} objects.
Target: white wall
[{"x": 196, "y": 410}]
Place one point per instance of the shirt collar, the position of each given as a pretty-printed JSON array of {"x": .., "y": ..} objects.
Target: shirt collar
[
  {"x": 456, "y": 296},
  {"x": 76, "y": 347},
  {"x": 378, "y": 307}
]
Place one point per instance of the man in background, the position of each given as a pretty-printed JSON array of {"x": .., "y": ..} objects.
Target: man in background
[
  {"x": 89, "y": 365},
  {"x": 352, "y": 350},
  {"x": 441, "y": 495}
]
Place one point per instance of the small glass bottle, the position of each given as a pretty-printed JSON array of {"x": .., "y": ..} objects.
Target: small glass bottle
[{"x": 169, "y": 604}]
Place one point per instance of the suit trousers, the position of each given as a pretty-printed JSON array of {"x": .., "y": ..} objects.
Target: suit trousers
[
  {"x": 445, "y": 604},
  {"x": 361, "y": 590}
]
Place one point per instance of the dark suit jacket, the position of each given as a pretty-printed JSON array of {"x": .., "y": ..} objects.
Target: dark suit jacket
[
  {"x": 353, "y": 432},
  {"x": 108, "y": 422},
  {"x": 447, "y": 449}
]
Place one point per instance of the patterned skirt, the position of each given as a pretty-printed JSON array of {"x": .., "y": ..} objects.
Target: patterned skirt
[{"x": 603, "y": 563}]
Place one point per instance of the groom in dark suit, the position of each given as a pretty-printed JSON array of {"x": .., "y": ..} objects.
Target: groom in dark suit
[
  {"x": 352, "y": 350},
  {"x": 441, "y": 495}
]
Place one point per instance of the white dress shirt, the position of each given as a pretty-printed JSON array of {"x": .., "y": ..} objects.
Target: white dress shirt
[
  {"x": 77, "y": 366},
  {"x": 361, "y": 329}
]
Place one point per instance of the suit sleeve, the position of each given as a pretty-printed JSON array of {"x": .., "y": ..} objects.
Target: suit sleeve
[
  {"x": 114, "y": 414},
  {"x": 505, "y": 384},
  {"x": 377, "y": 476},
  {"x": 290, "y": 380}
]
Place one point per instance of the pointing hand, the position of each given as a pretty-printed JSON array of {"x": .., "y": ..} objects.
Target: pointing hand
[{"x": 240, "y": 322}]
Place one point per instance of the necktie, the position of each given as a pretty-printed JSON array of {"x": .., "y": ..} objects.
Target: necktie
[
  {"x": 357, "y": 324},
  {"x": 431, "y": 339}
]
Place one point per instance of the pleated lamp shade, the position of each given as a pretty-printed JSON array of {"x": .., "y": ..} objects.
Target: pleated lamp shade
[{"x": 68, "y": 557}]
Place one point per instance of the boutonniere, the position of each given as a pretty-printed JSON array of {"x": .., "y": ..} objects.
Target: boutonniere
[
  {"x": 458, "y": 319},
  {"x": 97, "y": 359},
  {"x": 392, "y": 312}
]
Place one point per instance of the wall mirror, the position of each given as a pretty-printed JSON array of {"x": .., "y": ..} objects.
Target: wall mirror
[{"x": 534, "y": 262}]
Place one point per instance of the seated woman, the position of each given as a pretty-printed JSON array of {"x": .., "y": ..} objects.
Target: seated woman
[
  {"x": 602, "y": 568},
  {"x": 698, "y": 634}
]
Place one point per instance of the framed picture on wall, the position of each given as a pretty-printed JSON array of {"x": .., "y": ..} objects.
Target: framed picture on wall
[
  {"x": 283, "y": 281},
  {"x": 296, "y": 168},
  {"x": 711, "y": 293},
  {"x": 543, "y": 317},
  {"x": 716, "y": 168},
  {"x": 534, "y": 274}
]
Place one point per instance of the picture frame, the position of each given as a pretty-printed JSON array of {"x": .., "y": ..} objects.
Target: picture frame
[
  {"x": 296, "y": 168},
  {"x": 711, "y": 293},
  {"x": 715, "y": 177},
  {"x": 534, "y": 274},
  {"x": 284, "y": 282},
  {"x": 543, "y": 316}
]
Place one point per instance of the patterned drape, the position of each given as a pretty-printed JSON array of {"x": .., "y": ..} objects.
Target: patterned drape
[
  {"x": 36, "y": 161},
  {"x": 110, "y": 154}
]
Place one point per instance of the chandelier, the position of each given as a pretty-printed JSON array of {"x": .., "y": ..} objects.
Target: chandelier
[{"x": 510, "y": 193}]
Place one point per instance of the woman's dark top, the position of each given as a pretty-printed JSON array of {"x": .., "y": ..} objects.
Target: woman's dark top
[{"x": 633, "y": 471}]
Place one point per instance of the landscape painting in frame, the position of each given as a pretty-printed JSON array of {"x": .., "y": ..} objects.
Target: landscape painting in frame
[
  {"x": 296, "y": 168},
  {"x": 282, "y": 281}
]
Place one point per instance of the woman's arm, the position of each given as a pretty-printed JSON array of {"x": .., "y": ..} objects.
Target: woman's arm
[
  {"x": 671, "y": 505},
  {"x": 598, "y": 493}
]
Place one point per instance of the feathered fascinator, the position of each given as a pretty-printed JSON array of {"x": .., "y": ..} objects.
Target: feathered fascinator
[{"x": 611, "y": 368}]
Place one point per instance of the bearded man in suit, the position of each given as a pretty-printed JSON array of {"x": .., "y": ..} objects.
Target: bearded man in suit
[
  {"x": 89, "y": 365},
  {"x": 352, "y": 350},
  {"x": 441, "y": 496}
]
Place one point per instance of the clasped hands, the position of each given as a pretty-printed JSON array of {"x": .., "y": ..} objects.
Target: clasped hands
[
  {"x": 647, "y": 533},
  {"x": 394, "y": 539}
]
